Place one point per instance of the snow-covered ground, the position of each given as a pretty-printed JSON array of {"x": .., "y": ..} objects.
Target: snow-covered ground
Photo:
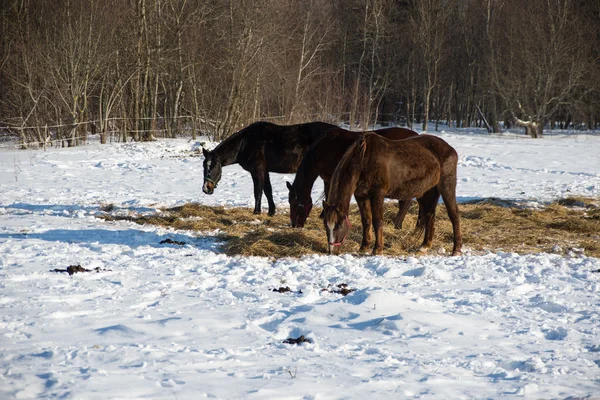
[{"x": 170, "y": 322}]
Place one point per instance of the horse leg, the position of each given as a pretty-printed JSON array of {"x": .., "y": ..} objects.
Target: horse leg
[
  {"x": 448, "y": 190},
  {"x": 427, "y": 217},
  {"x": 377, "y": 215},
  {"x": 364, "y": 205},
  {"x": 403, "y": 206},
  {"x": 420, "y": 225},
  {"x": 257, "y": 179},
  {"x": 269, "y": 194}
]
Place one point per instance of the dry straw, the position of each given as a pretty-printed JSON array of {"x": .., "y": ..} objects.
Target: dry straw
[{"x": 487, "y": 225}]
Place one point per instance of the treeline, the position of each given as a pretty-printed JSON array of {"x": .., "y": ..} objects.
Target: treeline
[{"x": 139, "y": 69}]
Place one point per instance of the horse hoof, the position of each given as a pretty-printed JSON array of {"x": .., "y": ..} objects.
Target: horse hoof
[
  {"x": 456, "y": 253},
  {"x": 363, "y": 250},
  {"x": 378, "y": 252},
  {"x": 271, "y": 213},
  {"x": 256, "y": 212},
  {"x": 423, "y": 249}
]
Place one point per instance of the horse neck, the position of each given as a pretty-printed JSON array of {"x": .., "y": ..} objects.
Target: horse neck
[
  {"x": 305, "y": 178},
  {"x": 227, "y": 151},
  {"x": 345, "y": 180}
]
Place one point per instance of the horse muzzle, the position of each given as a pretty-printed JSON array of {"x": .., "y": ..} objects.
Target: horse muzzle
[
  {"x": 298, "y": 223},
  {"x": 208, "y": 188},
  {"x": 333, "y": 250}
]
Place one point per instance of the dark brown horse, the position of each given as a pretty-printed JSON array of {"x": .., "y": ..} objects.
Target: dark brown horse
[
  {"x": 260, "y": 148},
  {"x": 375, "y": 168},
  {"x": 320, "y": 161}
]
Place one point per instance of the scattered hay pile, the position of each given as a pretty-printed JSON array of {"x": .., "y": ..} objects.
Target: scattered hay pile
[{"x": 490, "y": 224}]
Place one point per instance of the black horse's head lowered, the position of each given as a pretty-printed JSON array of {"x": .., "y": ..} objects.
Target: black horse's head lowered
[
  {"x": 298, "y": 211},
  {"x": 212, "y": 172}
]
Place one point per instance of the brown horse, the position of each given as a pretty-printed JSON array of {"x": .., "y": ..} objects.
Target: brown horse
[
  {"x": 374, "y": 168},
  {"x": 320, "y": 161},
  {"x": 261, "y": 148}
]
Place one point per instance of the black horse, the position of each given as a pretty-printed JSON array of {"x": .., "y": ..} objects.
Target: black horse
[{"x": 260, "y": 148}]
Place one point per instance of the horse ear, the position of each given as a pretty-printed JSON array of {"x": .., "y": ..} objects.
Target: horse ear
[
  {"x": 205, "y": 152},
  {"x": 289, "y": 186}
]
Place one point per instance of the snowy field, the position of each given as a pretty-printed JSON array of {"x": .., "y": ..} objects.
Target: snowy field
[{"x": 171, "y": 322}]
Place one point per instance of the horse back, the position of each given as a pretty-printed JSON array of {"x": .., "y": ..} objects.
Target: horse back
[
  {"x": 280, "y": 147},
  {"x": 331, "y": 146},
  {"x": 396, "y": 133},
  {"x": 403, "y": 169},
  {"x": 435, "y": 144}
]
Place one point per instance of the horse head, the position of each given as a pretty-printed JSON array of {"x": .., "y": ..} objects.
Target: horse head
[
  {"x": 212, "y": 171},
  {"x": 298, "y": 211},
  {"x": 337, "y": 225}
]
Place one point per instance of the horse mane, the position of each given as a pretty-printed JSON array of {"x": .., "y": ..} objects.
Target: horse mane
[
  {"x": 229, "y": 148},
  {"x": 358, "y": 147},
  {"x": 347, "y": 166}
]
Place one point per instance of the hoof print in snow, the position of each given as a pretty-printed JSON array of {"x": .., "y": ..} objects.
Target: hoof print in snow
[
  {"x": 593, "y": 348},
  {"x": 299, "y": 340},
  {"x": 342, "y": 289},
  {"x": 171, "y": 241},
  {"x": 73, "y": 269}
]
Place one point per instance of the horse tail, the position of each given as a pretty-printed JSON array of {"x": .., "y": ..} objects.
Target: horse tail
[{"x": 362, "y": 146}]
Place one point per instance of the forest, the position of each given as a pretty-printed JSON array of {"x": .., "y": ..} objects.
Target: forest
[{"x": 144, "y": 69}]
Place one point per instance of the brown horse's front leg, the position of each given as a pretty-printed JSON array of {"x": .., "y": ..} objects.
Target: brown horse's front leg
[
  {"x": 257, "y": 179},
  {"x": 364, "y": 205},
  {"x": 377, "y": 208}
]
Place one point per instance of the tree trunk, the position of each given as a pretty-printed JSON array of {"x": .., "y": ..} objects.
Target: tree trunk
[{"x": 534, "y": 129}]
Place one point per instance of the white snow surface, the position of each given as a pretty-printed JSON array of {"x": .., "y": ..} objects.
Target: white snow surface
[{"x": 188, "y": 322}]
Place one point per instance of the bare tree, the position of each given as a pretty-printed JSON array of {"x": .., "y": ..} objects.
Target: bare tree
[
  {"x": 536, "y": 59},
  {"x": 145, "y": 67},
  {"x": 430, "y": 22},
  {"x": 313, "y": 39}
]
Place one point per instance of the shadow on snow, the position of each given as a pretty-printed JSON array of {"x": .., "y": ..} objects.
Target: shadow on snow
[{"x": 129, "y": 237}]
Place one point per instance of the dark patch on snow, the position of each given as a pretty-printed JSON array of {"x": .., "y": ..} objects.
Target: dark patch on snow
[
  {"x": 299, "y": 340},
  {"x": 171, "y": 241},
  {"x": 73, "y": 269},
  {"x": 342, "y": 289},
  {"x": 285, "y": 290}
]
